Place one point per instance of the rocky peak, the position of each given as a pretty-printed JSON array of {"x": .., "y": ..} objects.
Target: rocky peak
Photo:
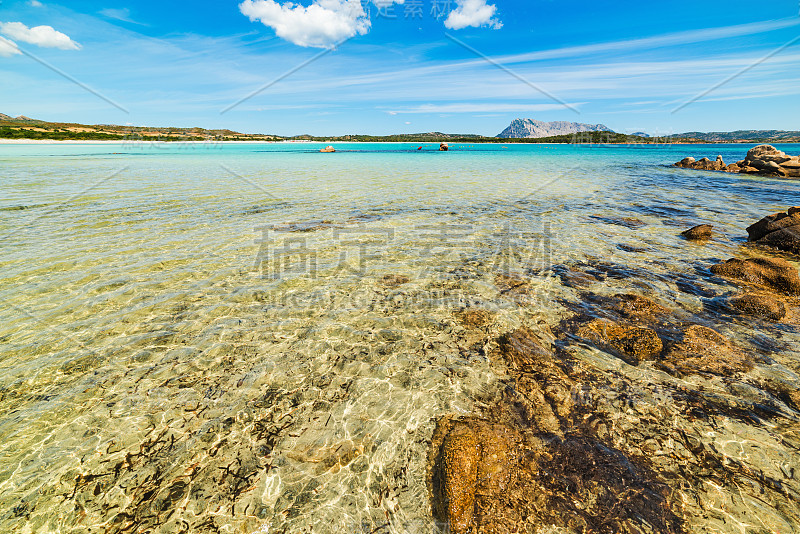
[{"x": 531, "y": 128}]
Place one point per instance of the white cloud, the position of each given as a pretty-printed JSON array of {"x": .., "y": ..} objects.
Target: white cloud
[
  {"x": 44, "y": 36},
  {"x": 475, "y": 13},
  {"x": 322, "y": 24},
  {"x": 36, "y": 3},
  {"x": 8, "y": 48}
]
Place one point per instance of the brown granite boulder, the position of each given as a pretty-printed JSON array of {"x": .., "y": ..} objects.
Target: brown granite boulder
[
  {"x": 763, "y": 159},
  {"x": 767, "y": 159},
  {"x": 699, "y": 233},
  {"x": 766, "y": 306},
  {"x": 473, "y": 460},
  {"x": 461, "y": 454},
  {"x": 780, "y": 231},
  {"x": 773, "y": 273},
  {"x": 766, "y": 153},
  {"x": 703, "y": 164}
]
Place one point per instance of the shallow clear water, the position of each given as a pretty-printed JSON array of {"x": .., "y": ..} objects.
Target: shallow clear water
[{"x": 203, "y": 336}]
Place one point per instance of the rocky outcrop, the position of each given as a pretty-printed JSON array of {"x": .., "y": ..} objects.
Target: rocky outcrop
[
  {"x": 772, "y": 273},
  {"x": 780, "y": 231},
  {"x": 698, "y": 233},
  {"x": 704, "y": 164},
  {"x": 763, "y": 159}
]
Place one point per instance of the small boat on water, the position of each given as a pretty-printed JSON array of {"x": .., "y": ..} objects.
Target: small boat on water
[
  {"x": 328, "y": 149},
  {"x": 444, "y": 147}
]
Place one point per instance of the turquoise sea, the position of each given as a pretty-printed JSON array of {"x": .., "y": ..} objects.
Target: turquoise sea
[{"x": 260, "y": 337}]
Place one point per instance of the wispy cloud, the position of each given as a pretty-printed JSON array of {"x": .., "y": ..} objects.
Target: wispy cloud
[
  {"x": 658, "y": 41},
  {"x": 481, "y": 108},
  {"x": 122, "y": 14}
]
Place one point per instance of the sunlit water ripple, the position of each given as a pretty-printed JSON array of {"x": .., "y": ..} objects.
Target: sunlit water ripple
[{"x": 245, "y": 337}]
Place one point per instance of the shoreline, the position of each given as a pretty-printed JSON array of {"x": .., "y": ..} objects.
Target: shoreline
[{"x": 214, "y": 143}]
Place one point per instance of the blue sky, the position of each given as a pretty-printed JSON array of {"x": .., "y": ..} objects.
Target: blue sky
[{"x": 472, "y": 69}]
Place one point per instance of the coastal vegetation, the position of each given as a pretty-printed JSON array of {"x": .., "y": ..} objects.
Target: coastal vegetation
[{"x": 27, "y": 128}]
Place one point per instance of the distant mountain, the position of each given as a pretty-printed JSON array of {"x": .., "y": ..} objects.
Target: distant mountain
[
  {"x": 4, "y": 117},
  {"x": 641, "y": 134},
  {"x": 744, "y": 136},
  {"x": 531, "y": 129}
]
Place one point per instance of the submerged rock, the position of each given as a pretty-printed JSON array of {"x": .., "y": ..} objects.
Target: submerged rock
[
  {"x": 627, "y": 222},
  {"x": 780, "y": 231},
  {"x": 472, "y": 460},
  {"x": 630, "y": 306},
  {"x": 698, "y": 233},
  {"x": 706, "y": 351},
  {"x": 461, "y": 454},
  {"x": 632, "y": 343},
  {"x": 759, "y": 305},
  {"x": 394, "y": 280},
  {"x": 774, "y": 273},
  {"x": 512, "y": 286},
  {"x": 474, "y": 318}
]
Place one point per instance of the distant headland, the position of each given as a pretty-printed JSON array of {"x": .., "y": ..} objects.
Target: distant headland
[{"x": 519, "y": 131}]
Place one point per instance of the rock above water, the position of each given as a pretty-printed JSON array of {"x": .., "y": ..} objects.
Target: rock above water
[
  {"x": 698, "y": 233},
  {"x": 704, "y": 164},
  {"x": 763, "y": 159},
  {"x": 780, "y": 231},
  {"x": 766, "y": 153},
  {"x": 772, "y": 273}
]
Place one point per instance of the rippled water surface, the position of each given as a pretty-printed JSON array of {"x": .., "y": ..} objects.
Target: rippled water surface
[{"x": 257, "y": 337}]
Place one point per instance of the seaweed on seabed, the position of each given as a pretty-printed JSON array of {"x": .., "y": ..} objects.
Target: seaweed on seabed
[{"x": 594, "y": 488}]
